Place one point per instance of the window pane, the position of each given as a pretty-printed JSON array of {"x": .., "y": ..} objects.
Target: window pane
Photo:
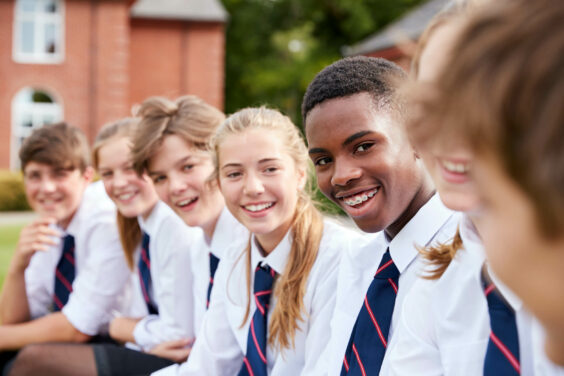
[
  {"x": 51, "y": 6},
  {"x": 41, "y": 97},
  {"x": 50, "y": 39},
  {"x": 27, "y": 5},
  {"x": 27, "y": 32}
]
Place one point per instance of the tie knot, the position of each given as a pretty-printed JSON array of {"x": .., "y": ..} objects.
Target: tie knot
[
  {"x": 387, "y": 268},
  {"x": 145, "y": 241},
  {"x": 68, "y": 243},
  {"x": 264, "y": 278}
]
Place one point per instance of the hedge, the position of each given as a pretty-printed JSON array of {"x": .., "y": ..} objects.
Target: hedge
[{"x": 12, "y": 195}]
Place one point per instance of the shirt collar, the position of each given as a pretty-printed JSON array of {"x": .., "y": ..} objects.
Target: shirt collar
[
  {"x": 149, "y": 225},
  {"x": 227, "y": 230},
  {"x": 419, "y": 231},
  {"x": 277, "y": 259},
  {"x": 471, "y": 238}
]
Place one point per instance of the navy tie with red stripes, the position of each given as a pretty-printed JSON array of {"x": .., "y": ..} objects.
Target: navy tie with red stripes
[
  {"x": 369, "y": 336},
  {"x": 254, "y": 362},
  {"x": 502, "y": 354},
  {"x": 214, "y": 262},
  {"x": 64, "y": 274},
  {"x": 144, "y": 267}
]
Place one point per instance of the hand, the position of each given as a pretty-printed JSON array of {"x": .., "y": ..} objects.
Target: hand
[
  {"x": 37, "y": 236},
  {"x": 177, "y": 350},
  {"x": 122, "y": 328}
]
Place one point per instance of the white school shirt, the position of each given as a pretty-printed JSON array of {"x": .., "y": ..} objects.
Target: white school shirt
[
  {"x": 227, "y": 231},
  {"x": 101, "y": 272},
  {"x": 445, "y": 323},
  {"x": 433, "y": 222},
  {"x": 222, "y": 343},
  {"x": 172, "y": 280}
]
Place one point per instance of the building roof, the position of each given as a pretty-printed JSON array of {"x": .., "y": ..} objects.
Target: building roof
[
  {"x": 411, "y": 25},
  {"x": 186, "y": 10}
]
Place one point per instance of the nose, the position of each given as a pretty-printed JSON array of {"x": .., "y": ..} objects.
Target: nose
[
  {"x": 119, "y": 179},
  {"x": 345, "y": 172},
  {"x": 253, "y": 185},
  {"x": 176, "y": 184},
  {"x": 48, "y": 185}
]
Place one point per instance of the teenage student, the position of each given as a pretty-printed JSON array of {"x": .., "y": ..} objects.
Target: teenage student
[
  {"x": 354, "y": 123},
  {"x": 172, "y": 145},
  {"x": 68, "y": 270},
  {"x": 276, "y": 289},
  {"x": 517, "y": 154}
]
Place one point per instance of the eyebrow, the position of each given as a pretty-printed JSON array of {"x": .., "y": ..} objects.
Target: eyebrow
[
  {"x": 349, "y": 140},
  {"x": 264, "y": 160},
  {"x": 179, "y": 162}
]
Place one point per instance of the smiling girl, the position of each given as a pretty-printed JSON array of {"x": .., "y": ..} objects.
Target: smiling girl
[{"x": 271, "y": 312}]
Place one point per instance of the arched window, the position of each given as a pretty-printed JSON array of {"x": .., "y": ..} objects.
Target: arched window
[
  {"x": 31, "y": 108},
  {"x": 38, "y": 31}
]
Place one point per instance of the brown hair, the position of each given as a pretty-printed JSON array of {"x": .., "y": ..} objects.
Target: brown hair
[
  {"x": 503, "y": 96},
  {"x": 129, "y": 230},
  {"x": 306, "y": 227},
  {"x": 188, "y": 117},
  {"x": 58, "y": 145}
]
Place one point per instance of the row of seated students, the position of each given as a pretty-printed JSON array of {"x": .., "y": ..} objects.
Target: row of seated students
[{"x": 201, "y": 252}]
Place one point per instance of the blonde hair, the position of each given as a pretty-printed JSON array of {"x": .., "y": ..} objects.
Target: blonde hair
[
  {"x": 306, "y": 228},
  {"x": 128, "y": 228},
  {"x": 188, "y": 117}
]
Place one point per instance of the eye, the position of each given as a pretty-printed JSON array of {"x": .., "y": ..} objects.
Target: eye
[
  {"x": 106, "y": 174},
  {"x": 322, "y": 161},
  {"x": 158, "y": 179},
  {"x": 187, "y": 167},
  {"x": 271, "y": 169},
  {"x": 364, "y": 147},
  {"x": 233, "y": 175}
]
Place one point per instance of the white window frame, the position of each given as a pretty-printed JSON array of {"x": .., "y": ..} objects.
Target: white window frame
[
  {"x": 40, "y": 19},
  {"x": 38, "y": 112}
]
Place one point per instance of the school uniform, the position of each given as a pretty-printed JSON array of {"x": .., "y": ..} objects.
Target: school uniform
[
  {"x": 227, "y": 231},
  {"x": 101, "y": 273},
  {"x": 445, "y": 323},
  {"x": 172, "y": 278},
  {"x": 433, "y": 222},
  {"x": 222, "y": 344}
]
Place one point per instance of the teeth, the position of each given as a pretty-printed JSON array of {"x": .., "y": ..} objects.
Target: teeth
[
  {"x": 256, "y": 208},
  {"x": 125, "y": 196},
  {"x": 360, "y": 198},
  {"x": 185, "y": 202},
  {"x": 456, "y": 167}
]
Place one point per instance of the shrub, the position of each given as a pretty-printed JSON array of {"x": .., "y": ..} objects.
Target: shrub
[{"x": 12, "y": 194}]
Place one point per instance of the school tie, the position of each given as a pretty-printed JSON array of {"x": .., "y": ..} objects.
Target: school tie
[
  {"x": 254, "y": 362},
  {"x": 144, "y": 267},
  {"x": 214, "y": 262},
  {"x": 502, "y": 354},
  {"x": 369, "y": 337},
  {"x": 64, "y": 274}
]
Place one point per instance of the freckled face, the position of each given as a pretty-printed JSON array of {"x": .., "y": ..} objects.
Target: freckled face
[
  {"x": 364, "y": 162},
  {"x": 260, "y": 183}
]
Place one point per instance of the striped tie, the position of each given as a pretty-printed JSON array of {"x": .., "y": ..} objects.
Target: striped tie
[
  {"x": 64, "y": 274},
  {"x": 502, "y": 354},
  {"x": 214, "y": 262},
  {"x": 144, "y": 267},
  {"x": 369, "y": 337},
  {"x": 254, "y": 362}
]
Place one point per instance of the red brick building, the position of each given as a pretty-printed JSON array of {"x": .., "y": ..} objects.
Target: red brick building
[{"x": 89, "y": 61}]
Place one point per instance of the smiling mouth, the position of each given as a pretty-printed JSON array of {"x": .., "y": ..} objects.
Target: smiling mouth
[
  {"x": 125, "y": 196},
  {"x": 186, "y": 202},
  {"x": 258, "y": 207},
  {"x": 455, "y": 167},
  {"x": 359, "y": 198}
]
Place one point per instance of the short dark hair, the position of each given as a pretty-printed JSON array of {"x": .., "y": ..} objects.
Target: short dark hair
[
  {"x": 58, "y": 145},
  {"x": 352, "y": 75}
]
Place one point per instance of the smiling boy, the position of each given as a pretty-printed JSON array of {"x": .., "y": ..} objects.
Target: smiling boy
[
  {"x": 354, "y": 124},
  {"x": 68, "y": 269}
]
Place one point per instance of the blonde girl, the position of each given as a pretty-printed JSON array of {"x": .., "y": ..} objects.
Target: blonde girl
[{"x": 271, "y": 314}]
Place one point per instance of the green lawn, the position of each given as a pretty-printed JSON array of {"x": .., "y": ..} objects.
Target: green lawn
[{"x": 8, "y": 239}]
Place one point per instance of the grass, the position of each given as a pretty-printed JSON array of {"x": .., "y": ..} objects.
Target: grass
[{"x": 8, "y": 239}]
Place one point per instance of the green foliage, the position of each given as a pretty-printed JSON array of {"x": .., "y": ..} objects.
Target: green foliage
[
  {"x": 12, "y": 194},
  {"x": 275, "y": 47},
  {"x": 8, "y": 239}
]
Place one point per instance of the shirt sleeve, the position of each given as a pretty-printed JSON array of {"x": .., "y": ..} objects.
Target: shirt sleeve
[
  {"x": 322, "y": 307},
  {"x": 216, "y": 351},
  {"x": 39, "y": 296},
  {"x": 173, "y": 286},
  {"x": 98, "y": 286}
]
